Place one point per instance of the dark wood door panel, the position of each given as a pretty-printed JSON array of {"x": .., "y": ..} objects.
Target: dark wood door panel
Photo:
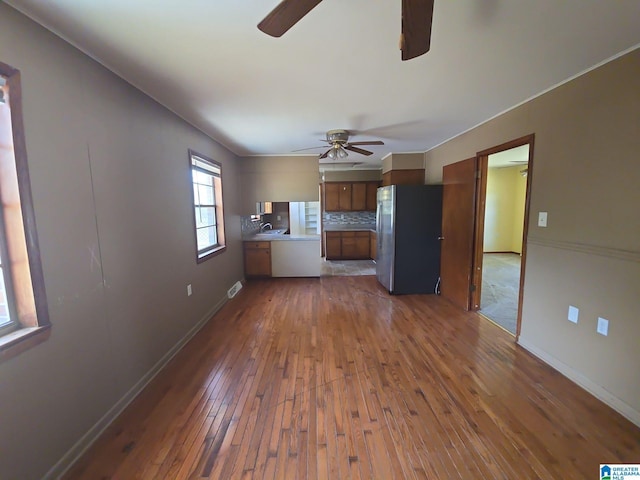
[{"x": 458, "y": 214}]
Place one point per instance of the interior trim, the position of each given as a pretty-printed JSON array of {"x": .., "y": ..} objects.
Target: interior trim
[
  {"x": 593, "y": 388},
  {"x": 83, "y": 444},
  {"x": 600, "y": 250}
]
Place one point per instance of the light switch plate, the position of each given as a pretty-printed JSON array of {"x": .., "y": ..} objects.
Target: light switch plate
[
  {"x": 189, "y": 291},
  {"x": 573, "y": 314},
  {"x": 603, "y": 326},
  {"x": 542, "y": 219}
]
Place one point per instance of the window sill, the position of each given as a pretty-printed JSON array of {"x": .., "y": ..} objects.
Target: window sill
[
  {"x": 17, "y": 342},
  {"x": 211, "y": 253}
]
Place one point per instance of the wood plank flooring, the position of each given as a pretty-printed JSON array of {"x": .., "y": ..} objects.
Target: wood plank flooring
[{"x": 333, "y": 378}]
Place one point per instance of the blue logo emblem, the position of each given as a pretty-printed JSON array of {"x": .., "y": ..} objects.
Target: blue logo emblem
[{"x": 605, "y": 472}]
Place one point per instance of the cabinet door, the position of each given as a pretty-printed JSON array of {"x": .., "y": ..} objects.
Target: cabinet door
[
  {"x": 373, "y": 245},
  {"x": 344, "y": 199},
  {"x": 372, "y": 191},
  {"x": 358, "y": 197},
  {"x": 332, "y": 246},
  {"x": 257, "y": 259},
  {"x": 332, "y": 197},
  {"x": 363, "y": 245}
]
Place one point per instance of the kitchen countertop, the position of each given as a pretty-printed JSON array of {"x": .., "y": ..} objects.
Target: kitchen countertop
[
  {"x": 266, "y": 237},
  {"x": 356, "y": 227}
]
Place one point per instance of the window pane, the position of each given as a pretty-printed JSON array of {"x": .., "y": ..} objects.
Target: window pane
[
  {"x": 206, "y": 237},
  {"x": 205, "y": 194},
  {"x": 201, "y": 177},
  {"x": 4, "y": 306},
  {"x": 205, "y": 216}
]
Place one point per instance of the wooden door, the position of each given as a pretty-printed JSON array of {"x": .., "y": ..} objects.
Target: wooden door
[
  {"x": 458, "y": 215},
  {"x": 331, "y": 197},
  {"x": 344, "y": 197},
  {"x": 358, "y": 197}
]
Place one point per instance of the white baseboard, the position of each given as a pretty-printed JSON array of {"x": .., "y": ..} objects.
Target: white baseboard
[
  {"x": 596, "y": 390},
  {"x": 83, "y": 444}
]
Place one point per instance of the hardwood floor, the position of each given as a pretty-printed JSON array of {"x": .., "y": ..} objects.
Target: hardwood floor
[{"x": 333, "y": 378}]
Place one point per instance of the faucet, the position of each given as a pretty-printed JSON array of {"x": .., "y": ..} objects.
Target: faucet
[{"x": 264, "y": 226}]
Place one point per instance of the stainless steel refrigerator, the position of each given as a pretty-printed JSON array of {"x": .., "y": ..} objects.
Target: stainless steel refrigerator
[{"x": 408, "y": 227}]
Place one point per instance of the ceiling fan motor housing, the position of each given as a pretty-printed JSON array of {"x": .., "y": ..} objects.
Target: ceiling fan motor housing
[{"x": 337, "y": 136}]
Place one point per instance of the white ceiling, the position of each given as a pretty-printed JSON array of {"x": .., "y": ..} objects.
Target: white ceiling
[{"x": 340, "y": 66}]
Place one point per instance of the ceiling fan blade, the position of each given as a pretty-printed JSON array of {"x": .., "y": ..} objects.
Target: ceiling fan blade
[
  {"x": 324, "y": 155},
  {"x": 310, "y": 148},
  {"x": 415, "y": 39},
  {"x": 373, "y": 142},
  {"x": 357, "y": 150},
  {"x": 285, "y": 16}
]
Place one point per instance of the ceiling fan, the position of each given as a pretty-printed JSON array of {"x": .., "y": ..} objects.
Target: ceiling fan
[
  {"x": 415, "y": 38},
  {"x": 339, "y": 141}
]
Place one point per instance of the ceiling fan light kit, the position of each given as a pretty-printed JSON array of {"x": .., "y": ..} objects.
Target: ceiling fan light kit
[{"x": 415, "y": 37}]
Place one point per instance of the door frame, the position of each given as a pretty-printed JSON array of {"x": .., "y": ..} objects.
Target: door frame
[{"x": 481, "y": 196}]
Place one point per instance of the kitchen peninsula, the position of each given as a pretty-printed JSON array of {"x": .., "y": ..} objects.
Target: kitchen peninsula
[{"x": 280, "y": 254}]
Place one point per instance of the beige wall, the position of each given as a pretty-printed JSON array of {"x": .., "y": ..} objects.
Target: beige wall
[
  {"x": 403, "y": 161},
  {"x": 504, "y": 210},
  {"x": 519, "y": 200},
  {"x": 352, "y": 175},
  {"x": 112, "y": 198},
  {"x": 278, "y": 179},
  {"x": 585, "y": 174}
]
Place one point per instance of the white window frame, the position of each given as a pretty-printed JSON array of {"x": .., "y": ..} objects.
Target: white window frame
[{"x": 207, "y": 168}]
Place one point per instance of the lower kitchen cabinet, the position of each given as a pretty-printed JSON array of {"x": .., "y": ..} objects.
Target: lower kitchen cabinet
[
  {"x": 373, "y": 250},
  {"x": 257, "y": 259},
  {"x": 333, "y": 245},
  {"x": 347, "y": 245}
]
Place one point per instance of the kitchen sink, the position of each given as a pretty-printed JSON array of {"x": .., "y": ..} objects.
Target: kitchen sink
[{"x": 277, "y": 231}]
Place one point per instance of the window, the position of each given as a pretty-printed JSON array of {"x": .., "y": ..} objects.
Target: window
[
  {"x": 24, "y": 317},
  {"x": 206, "y": 176}
]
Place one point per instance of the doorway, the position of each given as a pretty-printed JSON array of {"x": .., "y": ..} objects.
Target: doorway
[
  {"x": 504, "y": 208},
  {"x": 463, "y": 225}
]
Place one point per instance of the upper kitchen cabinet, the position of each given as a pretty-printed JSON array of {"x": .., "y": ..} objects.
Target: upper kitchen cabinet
[
  {"x": 350, "y": 196},
  {"x": 359, "y": 197},
  {"x": 344, "y": 196},
  {"x": 403, "y": 169},
  {"x": 372, "y": 195}
]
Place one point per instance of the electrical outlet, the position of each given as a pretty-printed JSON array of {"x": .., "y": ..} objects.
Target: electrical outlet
[
  {"x": 542, "y": 219},
  {"x": 573, "y": 314},
  {"x": 603, "y": 326},
  {"x": 189, "y": 291}
]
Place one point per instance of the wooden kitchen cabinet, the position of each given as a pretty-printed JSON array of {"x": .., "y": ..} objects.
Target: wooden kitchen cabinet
[
  {"x": 373, "y": 245},
  {"x": 344, "y": 197},
  {"x": 358, "y": 197},
  {"x": 350, "y": 197},
  {"x": 347, "y": 245},
  {"x": 333, "y": 249},
  {"x": 355, "y": 245},
  {"x": 403, "y": 177},
  {"x": 257, "y": 259},
  {"x": 372, "y": 193},
  {"x": 332, "y": 197}
]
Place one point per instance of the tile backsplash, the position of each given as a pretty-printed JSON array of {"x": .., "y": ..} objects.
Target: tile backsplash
[
  {"x": 249, "y": 225},
  {"x": 349, "y": 218}
]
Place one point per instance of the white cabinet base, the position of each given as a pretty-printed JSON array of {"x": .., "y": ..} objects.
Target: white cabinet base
[{"x": 299, "y": 258}]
